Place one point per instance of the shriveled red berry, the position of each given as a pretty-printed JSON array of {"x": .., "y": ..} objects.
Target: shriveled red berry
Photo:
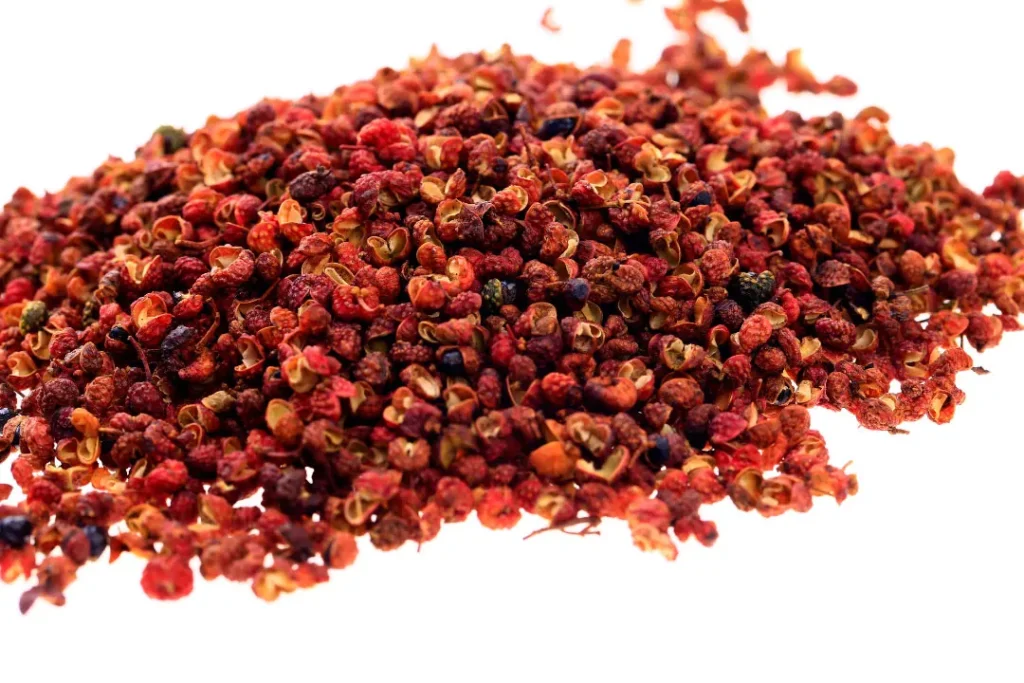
[{"x": 167, "y": 577}]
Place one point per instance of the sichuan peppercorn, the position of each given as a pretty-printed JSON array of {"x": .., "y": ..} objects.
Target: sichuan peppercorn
[{"x": 479, "y": 284}]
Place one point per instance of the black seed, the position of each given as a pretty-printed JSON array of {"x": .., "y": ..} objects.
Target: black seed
[
  {"x": 702, "y": 198},
  {"x": 118, "y": 333},
  {"x": 107, "y": 440},
  {"x": 509, "y": 291},
  {"x": 659, "y": 453},
  {"x": 14, "y": 531},
  {"x": 577, "y": 289},
  {"x": 451, "y": 362},
  {"x": 17, "y": 435},
  {"x": 783, "y": 396},
  {"x": 697, "y": 438},
  {"x": 563, "y": 126},
  {"x": 97, "y": 539},
  {"x": 176, "y": 338},
  {"x": 859, "y": 304}
]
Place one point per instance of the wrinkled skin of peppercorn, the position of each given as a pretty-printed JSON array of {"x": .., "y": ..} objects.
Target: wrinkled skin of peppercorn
[{"x": 480, "y": 284}]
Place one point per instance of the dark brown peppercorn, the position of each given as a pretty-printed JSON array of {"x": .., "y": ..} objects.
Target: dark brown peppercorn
[{"x": 311, "y": 185}]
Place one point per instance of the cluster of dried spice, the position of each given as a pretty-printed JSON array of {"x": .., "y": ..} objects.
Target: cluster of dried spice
[{"x": 481, "y": 284}]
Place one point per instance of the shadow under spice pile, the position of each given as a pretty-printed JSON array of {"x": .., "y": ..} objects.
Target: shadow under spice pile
[{"x": 480, "y": 284}]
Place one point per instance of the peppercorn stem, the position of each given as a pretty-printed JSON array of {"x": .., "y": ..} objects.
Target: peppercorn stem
[
  {"x": 142, "y": 356},
  {"x": 564, "y": 527}
]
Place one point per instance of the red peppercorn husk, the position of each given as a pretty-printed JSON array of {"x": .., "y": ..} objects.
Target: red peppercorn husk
[{"x": 480, "y": 284}]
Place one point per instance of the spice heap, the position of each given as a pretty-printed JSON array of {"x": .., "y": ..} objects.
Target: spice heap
[{"x": 479, "y": 284}]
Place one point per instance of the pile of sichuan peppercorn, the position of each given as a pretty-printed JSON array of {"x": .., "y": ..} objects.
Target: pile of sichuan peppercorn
[{"x": 481, "y": 284}]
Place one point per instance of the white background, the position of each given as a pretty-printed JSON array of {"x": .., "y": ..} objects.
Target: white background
[{"x": 916, "y": 578}]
